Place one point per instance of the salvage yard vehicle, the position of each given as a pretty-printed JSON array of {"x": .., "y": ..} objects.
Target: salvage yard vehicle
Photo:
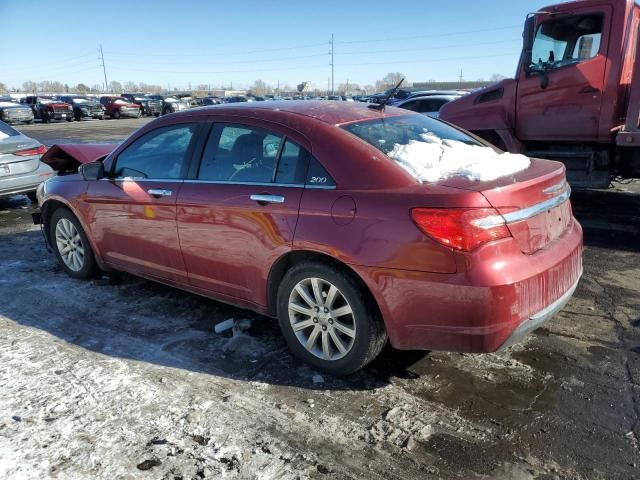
[
  {"x": 12, "y": 112},
  {"x": 576, "y": 94},
  {"x": 117, "y": 107},
  {"x": 172, "y": 104},
  {"x": 148, "y": 106},
  {"x": 84, "y": 107},
  {"x": 350, "y": 223},
  {"x": 427, "y": 105},
  {"x": 21, "y": 170},
  {"x": 48, "y": 109}
]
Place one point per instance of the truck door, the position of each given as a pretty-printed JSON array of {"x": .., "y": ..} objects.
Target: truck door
[{"x": 560, "y": 88}]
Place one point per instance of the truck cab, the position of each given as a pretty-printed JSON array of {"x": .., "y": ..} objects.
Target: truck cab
[{"x": 570, "y": 96}]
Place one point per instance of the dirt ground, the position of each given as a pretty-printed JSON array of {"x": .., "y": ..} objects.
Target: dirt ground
[{"x": 127, "y": 379}]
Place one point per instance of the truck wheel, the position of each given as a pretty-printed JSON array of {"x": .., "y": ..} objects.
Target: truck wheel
[
  {"x": 78, "y": 116},
  {"x": 116, "y": 114},
  {"x": 71, "y": 245},
  {"x": 327, "y": 319}
]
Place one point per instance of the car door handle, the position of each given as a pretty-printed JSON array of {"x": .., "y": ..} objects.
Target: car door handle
[
  {"x": 159, "y": 192},
  {"x": 263, "y": 199}
]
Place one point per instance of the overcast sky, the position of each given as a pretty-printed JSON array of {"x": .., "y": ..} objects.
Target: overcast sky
[{"x": 172, "y": 43}]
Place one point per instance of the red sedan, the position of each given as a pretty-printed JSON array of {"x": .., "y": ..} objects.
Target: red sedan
[{"x": 352, "y": 226}]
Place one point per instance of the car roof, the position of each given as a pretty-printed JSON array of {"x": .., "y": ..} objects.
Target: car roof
[{"x": 333, "y": 113}]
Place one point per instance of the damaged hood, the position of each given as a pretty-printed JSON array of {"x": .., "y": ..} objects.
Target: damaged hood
[{"x": 69, "y": 156}]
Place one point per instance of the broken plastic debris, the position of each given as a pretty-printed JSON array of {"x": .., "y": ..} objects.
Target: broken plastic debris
[{"x": 225, "y": 325}]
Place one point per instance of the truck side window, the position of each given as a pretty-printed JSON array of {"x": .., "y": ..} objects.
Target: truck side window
[{"x": 566, "y": 40}]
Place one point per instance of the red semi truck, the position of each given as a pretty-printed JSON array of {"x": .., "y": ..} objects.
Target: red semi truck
[{"x": 575, "y": 96}]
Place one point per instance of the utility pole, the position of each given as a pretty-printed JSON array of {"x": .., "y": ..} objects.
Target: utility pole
[
  {"x": 461, "y": 79},
  {"x": 104, "y": 68},
  {"x": 332, "y": 85}
]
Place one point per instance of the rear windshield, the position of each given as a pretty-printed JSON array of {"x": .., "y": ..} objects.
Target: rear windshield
[
  {"x": 430, "y": 150},
  {"x": 7, "y": 131},
  {"x": 386, "y": 133}
]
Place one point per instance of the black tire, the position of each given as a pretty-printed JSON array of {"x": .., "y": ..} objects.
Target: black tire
[
  {"x": 45, "y": 118},
  {"x": 70, "y": 119},
  {"x": 116, "y": 114},
  {"x": 156, "y": 114},
  {"x": 77, "y": 116},
  {"x": 32, "y": 196},
  {"x": 89, "y": 266},
  {"x": 101, "y": 117},
  {"x": 370, "y": 337}
]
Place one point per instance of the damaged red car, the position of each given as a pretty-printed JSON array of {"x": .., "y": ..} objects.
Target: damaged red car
[{"x": 353, "y": 226}]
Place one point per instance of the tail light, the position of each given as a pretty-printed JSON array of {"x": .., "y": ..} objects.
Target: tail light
[
  {"x": 31, "y": 151},
  {"x": 461, "y": 228}
]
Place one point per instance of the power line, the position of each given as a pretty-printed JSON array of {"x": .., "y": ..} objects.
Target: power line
[
  {"x": 261, "y": 60},
  {"x": 434, "y": 35},
  {"x": 427, "y": 60},
  {"x": 237, "y": 52},
  {"x": 301, "y": 67},
  {"x": 459, "y": 45}
]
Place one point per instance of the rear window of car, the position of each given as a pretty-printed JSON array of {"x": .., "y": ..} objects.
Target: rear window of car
[
  {"x": 386, "y": 133},
  {"x": 7, "y": 131}
]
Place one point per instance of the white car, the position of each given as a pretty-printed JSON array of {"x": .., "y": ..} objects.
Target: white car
[
  {"x": 428, "y": 105},
  {"x": 21, "y": 170}
]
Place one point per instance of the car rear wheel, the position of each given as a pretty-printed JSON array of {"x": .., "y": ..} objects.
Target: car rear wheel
[
  {"x": 71, "y": 245},
  {"x": 327, "y": 319}
]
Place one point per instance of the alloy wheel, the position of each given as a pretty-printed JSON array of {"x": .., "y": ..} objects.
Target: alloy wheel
[
  {"x": 70, "y": 245},
  {"x": 322, "y": 319}
]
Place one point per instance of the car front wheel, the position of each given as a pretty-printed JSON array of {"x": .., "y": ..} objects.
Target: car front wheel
[
  {"x": 71, "y": 245},
  {"x": 116, "y": 114},
  {"x": 327, "y": 319}
]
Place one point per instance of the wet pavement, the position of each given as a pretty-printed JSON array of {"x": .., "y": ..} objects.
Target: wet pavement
[{"x": 126, "y": 378}]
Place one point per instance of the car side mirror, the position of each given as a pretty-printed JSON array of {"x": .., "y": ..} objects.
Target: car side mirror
[{"x": 92, "y": 171}]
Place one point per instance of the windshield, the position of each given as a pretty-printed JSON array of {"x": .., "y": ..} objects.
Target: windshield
[
  {"x": 430, "y": 150},
  {"x": 566, "y": 40},
  {"x": 80, "y": 100},
  {"x": 121, "y": 101}
]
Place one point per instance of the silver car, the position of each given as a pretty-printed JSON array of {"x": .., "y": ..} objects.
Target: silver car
[
  {"x": 429, "y": 105},
  {"x": 20, "y": 168}
]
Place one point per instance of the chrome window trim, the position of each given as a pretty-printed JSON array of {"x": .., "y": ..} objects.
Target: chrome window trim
[
  {"x": 260, "y": 184},
  {"x": 136, "y": 179}
]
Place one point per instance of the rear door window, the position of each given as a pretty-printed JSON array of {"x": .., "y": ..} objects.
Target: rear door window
[{"x": 240, "y": 154}]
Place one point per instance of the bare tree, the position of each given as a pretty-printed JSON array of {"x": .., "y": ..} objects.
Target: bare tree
[
  {"x": 29, "y": 87},
  {"x": 96, "y": 88},
  {"x": 115, "y": 87},
  {"x": 82, "y": 89},
  {"x": 258, "y": 88},
  {"x": 496, "y": 77},
  {"x": 3, "y": 88},
  {"x": 391, "y": 79}
]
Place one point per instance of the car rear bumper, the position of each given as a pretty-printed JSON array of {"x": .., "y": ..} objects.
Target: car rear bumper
[
  {"x": 501, "y": 296},
  {"x": 26, "y": 182}
]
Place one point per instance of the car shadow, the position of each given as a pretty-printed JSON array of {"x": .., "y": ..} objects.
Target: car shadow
[{"x": 132, "y": 318}]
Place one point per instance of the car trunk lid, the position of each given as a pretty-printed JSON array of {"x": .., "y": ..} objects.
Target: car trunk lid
[
  {"x": 11, "y": 164},
  {"x": 534, "y": 202}
]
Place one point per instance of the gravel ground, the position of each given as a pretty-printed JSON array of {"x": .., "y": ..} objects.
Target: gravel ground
[{"x": 127, "y": 379}]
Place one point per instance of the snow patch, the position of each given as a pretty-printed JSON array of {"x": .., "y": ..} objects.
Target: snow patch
[{"x": 434, "y": 159}]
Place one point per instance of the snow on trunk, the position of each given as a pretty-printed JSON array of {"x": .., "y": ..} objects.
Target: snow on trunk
[{"x": 434, "y": 159}]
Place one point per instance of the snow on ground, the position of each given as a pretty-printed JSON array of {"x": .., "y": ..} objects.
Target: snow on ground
[
  {"x": 434, "y": 159},
  {"x": 106, "y": 379}
]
